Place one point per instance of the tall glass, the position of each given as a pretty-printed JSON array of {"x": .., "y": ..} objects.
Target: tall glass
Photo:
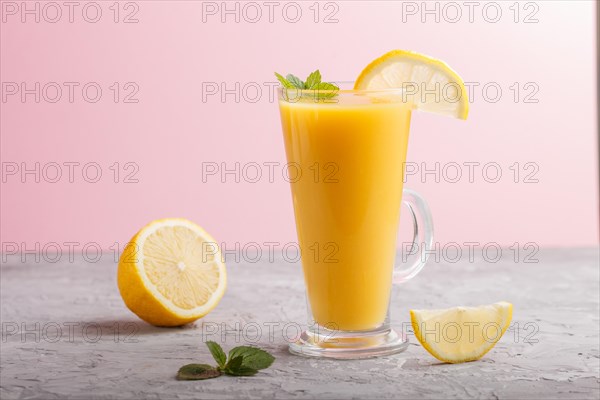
[{"x": 347, "y": 149}]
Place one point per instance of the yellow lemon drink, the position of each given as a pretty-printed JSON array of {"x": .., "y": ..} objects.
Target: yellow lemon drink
[
  {"x": 348, "y": 148},
  {"x": 346, "y": 157}
]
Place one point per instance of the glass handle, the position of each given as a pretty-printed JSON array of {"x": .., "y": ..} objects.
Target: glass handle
[{"x": 423, "y": 236}]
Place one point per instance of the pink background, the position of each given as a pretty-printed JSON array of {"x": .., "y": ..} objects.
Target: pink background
[{"x": 171, "y": 131}]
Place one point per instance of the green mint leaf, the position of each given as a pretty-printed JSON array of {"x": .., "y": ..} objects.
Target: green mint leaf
[
  {"x": 325, "y": 86},
  {"x": 235, "y": 367},
  {"x": 194, "y": 372},
  {"x": 234, "y": 362},
  {"x": 241, "y": 371},
  {"x": 243, "y": 361},
  {"x": 217, "y": 353},
  {"x": 294, "y": 80},
  {"x": 284, "y": 82},
  {"x": 252, "y": 357},
  {"x": 313, "y": 79},
  {"x": 324, "y": 90},
  {"x": 313, "y": 88}
]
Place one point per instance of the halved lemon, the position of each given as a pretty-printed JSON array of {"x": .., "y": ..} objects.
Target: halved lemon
[
  {"x": 461, "y": 334},
  {"x": 429, "y": 84},
  {"x": 171, "y": 273}
]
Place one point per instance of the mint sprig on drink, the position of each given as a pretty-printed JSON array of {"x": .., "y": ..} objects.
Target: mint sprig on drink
[
  {"x": 313, "y": 86},
  {"x": 242, "y": 361}
]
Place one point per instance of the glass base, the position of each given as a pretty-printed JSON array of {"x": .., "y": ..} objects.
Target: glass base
[{"x": 349, "y": 345}]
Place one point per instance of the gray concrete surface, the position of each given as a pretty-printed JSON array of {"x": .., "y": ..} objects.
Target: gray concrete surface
[{"x": 67, "y": 334}]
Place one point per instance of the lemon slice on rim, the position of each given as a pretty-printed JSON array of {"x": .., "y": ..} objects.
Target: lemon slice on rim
[
  {"x": 171, "y": 273},
  {"x": 429, "y": 84},
  {"x": 461, "y": 334}
]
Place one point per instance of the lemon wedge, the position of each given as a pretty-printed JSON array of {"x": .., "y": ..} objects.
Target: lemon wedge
[
  {"x": 429, "y": 84},
  {"x": 171, "y": 273},
  {"x": 461, "y": 334}
]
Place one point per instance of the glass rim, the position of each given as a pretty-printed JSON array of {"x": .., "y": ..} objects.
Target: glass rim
[{"x": 343, "y": 90}]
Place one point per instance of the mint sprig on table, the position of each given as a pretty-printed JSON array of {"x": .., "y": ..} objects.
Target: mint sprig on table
[
  {"x": 242, "y": 361},
  {"x": 312, "y": 87}
]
